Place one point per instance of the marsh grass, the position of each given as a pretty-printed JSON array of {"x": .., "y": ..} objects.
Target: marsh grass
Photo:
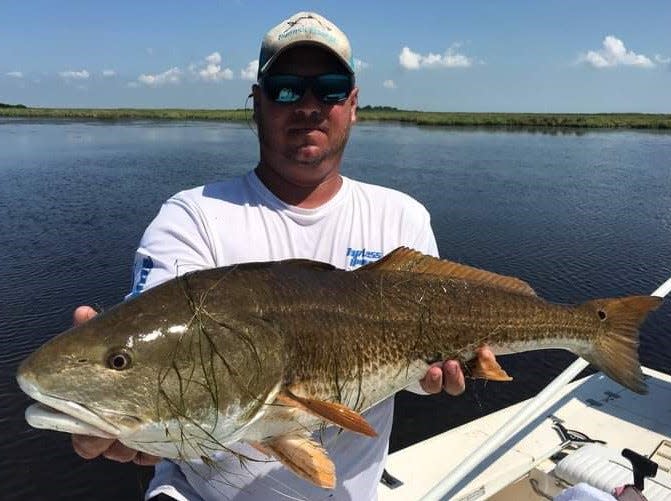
[
  {"x": 368, "y": 113},
  {"x": 127, "y": 114},
  {"x": 563, "y": 120}
]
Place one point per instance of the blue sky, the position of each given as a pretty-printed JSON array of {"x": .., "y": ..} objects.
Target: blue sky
[{"x": 513, "y": 56}]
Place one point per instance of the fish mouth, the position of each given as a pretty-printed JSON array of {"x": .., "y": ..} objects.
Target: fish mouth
[{"x": 58, "y": 414}]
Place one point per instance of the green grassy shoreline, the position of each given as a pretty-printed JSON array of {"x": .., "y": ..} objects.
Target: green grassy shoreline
[{"x": 367, "y": 113}]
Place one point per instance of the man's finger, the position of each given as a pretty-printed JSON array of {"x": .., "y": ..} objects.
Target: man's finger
[
  {"x": 453, "y": 378},
  {"x": 144, "y": 459},
  {"x": 432, "y": 382},
  {"x": 90, "y": 447},
  {"x": 119, "y": 452},
  {"x": 83, "y": 314}
]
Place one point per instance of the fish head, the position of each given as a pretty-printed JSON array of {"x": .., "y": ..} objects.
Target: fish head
[{"x": 158, "y": 378}]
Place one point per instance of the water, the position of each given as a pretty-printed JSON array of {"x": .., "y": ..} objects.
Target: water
[{"x": 577, "y": 215}]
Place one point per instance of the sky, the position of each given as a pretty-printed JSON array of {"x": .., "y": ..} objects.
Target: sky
[{"x": 569, "y": 56}]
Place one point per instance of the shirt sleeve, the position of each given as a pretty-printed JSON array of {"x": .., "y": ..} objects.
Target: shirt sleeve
[
  {"x": 425, "y": 240},
  {"x": 175, "y": 243}
]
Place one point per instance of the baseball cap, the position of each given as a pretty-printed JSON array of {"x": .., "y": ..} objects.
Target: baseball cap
[{"x": 300, "y": 29}]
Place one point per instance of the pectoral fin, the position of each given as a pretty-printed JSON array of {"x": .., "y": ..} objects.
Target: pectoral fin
[
  {"x": 482, "y": 367},
  {"x": 332, "y": 412},
  {"x": 303, "y": 456}
]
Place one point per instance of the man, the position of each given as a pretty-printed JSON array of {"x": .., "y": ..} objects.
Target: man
[{"x": 294, "y": 204}]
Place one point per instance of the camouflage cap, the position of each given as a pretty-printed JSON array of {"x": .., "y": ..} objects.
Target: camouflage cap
[{"x": 304, "y": 28}]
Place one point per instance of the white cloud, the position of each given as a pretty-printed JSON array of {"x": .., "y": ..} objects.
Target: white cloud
[
  {"x": 214, "y": 58},
  {"x": 75, "y": 75},
  {"x": 249, "y": 73},
  {"x": 662, "y": 60},
  {"x": 15, "y": 74},
  {"x": 450, "y": 59},
  {"x": 210, "y": 69},
  {"x": 389, "y": 84},
  {"x": 109, "y": 73},
  {"x": 171, "y": 76},
  {"x": 359, "y": 65},
  {"x": 614, "y": 53},
  {"x": 408, "y": 59}
]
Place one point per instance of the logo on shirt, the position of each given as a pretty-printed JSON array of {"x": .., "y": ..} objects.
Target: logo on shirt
[
  {"x": 140, "y": 274},
  {"x": 360, "y": 257}
]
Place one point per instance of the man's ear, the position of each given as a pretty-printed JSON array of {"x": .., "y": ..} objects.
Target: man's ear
[
  {"x": 354, "y": 103},
  {"x": 256, "y": 98}
]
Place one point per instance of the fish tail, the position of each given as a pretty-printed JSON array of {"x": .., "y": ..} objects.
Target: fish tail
[{"x": 615, "y": 350}]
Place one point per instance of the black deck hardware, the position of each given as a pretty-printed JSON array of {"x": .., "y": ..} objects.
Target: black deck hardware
[
  {"x": 390, "y": 481},
  {"x": 643, "y": 467}
]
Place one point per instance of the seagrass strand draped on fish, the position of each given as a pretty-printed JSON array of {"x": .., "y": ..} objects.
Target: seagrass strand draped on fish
[
  {"x": 394, "y": 308},
  {"x": 265, "y": 353},
  {"x": 342, "y": 327}
]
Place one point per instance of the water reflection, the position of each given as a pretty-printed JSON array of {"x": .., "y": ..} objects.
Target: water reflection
[{"x": 577, "y": 213}]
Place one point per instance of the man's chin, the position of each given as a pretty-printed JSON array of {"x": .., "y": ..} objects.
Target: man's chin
[{"x": 309, "y": 155}]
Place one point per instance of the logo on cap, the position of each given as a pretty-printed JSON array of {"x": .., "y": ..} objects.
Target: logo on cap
[{"x": 304, "y": 27}]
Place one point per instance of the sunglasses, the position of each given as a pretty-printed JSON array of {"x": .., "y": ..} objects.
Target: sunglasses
[{"x": 330, "y": 88}]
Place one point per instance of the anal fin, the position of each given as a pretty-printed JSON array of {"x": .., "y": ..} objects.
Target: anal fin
[
  {"x": 303, "y": 456},
  {"x": 332, "y": 412},
  {"x": 486, "y": 367}
]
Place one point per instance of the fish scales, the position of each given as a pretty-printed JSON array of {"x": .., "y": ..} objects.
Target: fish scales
[
  {"x": 341, "y": 327},
  {"x": 267, "y": 352}
]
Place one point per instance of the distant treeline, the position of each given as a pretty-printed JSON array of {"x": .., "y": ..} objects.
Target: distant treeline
[
  {"x": 20, "y": 106},
  {"x": 364, "y": 113},
  {"x": 369, "y": 108}
]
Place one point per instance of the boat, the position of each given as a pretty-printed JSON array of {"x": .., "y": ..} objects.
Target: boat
[
  {"x": 574, "y": 439},
  {"x": 579, "y": 438}
]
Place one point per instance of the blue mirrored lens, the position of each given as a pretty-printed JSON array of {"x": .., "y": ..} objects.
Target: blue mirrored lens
[
  {"x": 333, "y": 88},
  {"x": 284, "y": 88},
  {"x": 330, "y": 88}
]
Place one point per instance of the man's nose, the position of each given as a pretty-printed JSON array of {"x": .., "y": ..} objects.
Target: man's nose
[{"x": 309, "y": 105}]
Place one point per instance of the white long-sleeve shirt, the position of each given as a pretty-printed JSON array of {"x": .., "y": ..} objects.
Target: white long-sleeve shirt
[{"x": 240, "y": 220}]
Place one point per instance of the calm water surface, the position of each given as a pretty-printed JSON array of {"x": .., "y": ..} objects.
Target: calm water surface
[{"x": 576, "y": 215}]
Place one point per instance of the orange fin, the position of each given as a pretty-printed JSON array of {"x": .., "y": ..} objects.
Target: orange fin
[
  {"x": 404, "y": 259},
  {"x": 482, "y": 367},
  {"x": 332, "y": 412},
  {"x": 615, "y": 351},
  {"x": 303, "y": 456}
]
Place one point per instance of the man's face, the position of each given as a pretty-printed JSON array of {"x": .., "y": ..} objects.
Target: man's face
[{"x": 304, "y": 140}]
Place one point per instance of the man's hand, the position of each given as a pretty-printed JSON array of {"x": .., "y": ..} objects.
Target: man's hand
[
  {"x": 92, "y": 447},
  {"x": 448, "y": 375}
]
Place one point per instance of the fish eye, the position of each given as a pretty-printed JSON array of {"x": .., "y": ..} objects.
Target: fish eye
[{"x": 119, "y": 361}]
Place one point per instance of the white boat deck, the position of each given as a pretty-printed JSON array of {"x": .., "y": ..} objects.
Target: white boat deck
[{"x": 594, "y": 406}]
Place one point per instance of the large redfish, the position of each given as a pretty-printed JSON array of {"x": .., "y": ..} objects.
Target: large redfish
[{"x": 267, "y": 352}]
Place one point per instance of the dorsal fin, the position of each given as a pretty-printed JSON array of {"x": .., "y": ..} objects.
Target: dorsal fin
[
  {"x": 308, "y": 263},
  {"x": 300, "y": 262},
  {"x": 261, "y": 265},
  {"x": 405, "y": 259}
]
